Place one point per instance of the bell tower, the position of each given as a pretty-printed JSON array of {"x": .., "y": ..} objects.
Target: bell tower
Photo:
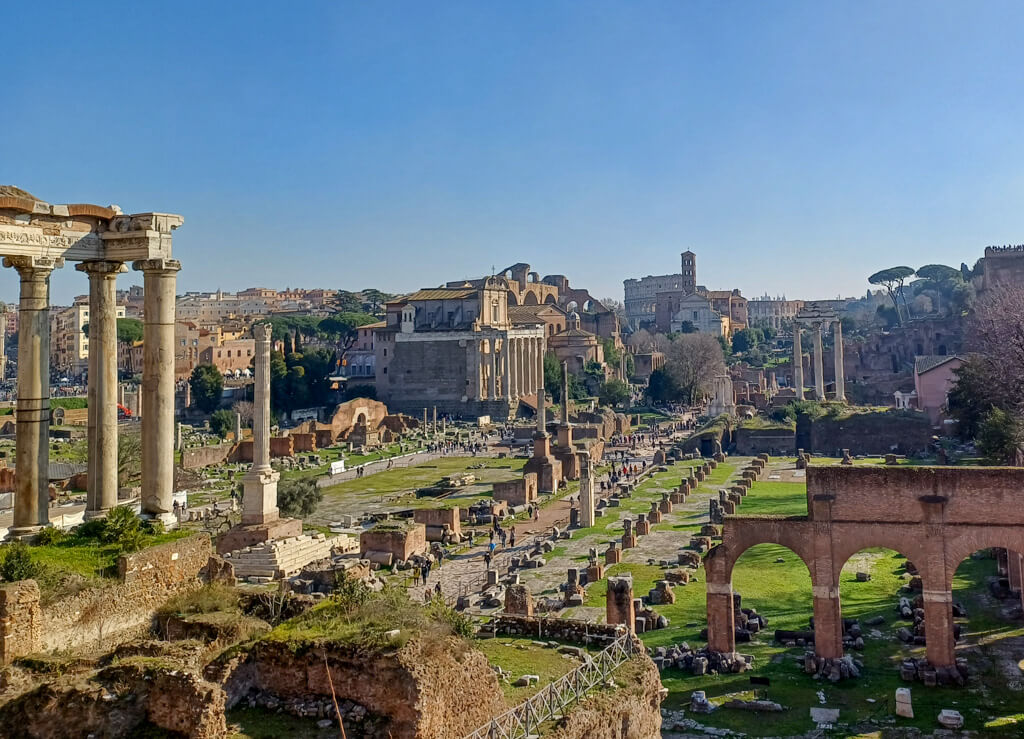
[{"x": 688, "y": 283}]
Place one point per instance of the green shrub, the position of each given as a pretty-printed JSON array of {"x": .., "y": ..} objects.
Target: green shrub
[
  {"x": 298, "y": 498},
  {"x": 50, "y": 535},
  {"x": 16, "y": 562},
  {"x": 120, "y": 526},
  {"x": 440, "y": 612}
]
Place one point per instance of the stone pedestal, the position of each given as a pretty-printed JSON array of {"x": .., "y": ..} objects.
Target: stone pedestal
[
  {"x": 242, "y": 536},
  {"x": 612, "y": 555}
]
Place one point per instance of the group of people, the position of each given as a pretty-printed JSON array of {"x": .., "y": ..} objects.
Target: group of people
[{"x": 499, "y": 536}]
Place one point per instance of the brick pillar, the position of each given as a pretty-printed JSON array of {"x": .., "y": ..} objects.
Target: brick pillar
[
  {"x": 619, "y": 602},
  {"x": 1013, "y": 570},
  {"x": 938, "y": 626},
  {"x": 721, "y": 626},
  {"x": 828, "y": 621}
]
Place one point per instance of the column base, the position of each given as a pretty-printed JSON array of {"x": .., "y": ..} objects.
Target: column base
[
  {"x": 169, "y": 520},
  {"x": 23, "y": 533},
  {"x": 90, "y": 515},
  {"x": 246, "y": 535}
]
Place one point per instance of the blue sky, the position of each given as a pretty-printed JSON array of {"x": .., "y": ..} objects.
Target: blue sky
[{"x": 795, "y": 146}]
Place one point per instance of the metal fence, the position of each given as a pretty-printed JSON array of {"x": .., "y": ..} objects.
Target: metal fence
[{"x": 550, "y": 703}]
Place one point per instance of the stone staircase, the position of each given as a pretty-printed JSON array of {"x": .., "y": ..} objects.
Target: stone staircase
[{"x": 284, "y": 557}]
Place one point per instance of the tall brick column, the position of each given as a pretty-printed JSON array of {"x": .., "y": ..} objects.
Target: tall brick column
[
  {"x": 828, "y": 620},
  {"x": 619, "y": 602}
]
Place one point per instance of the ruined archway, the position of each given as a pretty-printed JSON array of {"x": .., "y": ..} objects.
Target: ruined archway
[{"x": 530, "y": 298}]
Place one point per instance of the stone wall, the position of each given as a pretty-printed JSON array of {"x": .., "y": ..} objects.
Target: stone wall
[
  {"x": 441, "y": 690},
  {"x": 560, "y": 629},
  {"x": 631, "y": 711},
  {"x": 401, "y": 542},
  {"x": 517, "y": 492},
  {"x": 435, "y": 519},
  {"x": 751, "y": 442},
  {"x": 196, "y": 457},
  {"x": 105, "y": 615},
  {"x": 905, "y": 432}
]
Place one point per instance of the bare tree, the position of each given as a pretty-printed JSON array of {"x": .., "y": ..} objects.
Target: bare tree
[
  {"x": 995, "y": 334},
  {"x": 244, "y": 409},
  {"x": 639, "y": 341},
  {"x": 692, "y": 361},
  {"x": 129, "y": 458}
]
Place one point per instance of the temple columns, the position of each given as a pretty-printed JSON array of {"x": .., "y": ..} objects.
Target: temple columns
[
  {"x": 32, "y": 408},
  {"x": 819, "y": 369},
  {"x": 101, "y": 478},
  {"x": 798, "y": 362},
  {"x": 837, "y": 336},
  {"x": 159, "y": 281}
]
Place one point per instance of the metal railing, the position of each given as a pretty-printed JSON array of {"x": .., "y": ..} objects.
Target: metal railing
[{"x": 550, "y": 703}]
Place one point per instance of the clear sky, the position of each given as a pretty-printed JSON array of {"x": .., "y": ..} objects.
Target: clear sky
[{"x": 795, "y": 146}]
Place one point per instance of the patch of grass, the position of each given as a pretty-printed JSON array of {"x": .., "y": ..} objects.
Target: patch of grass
[{"x": 520, "y": 656}]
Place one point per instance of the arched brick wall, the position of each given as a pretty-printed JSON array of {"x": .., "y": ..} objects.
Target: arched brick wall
[{"x": 934, "y": 516}]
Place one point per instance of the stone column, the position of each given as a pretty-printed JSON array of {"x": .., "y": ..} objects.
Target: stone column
[
  {"x": 837, "y": 335},
  {"x": 506, "y": 369},
  {"x": 619, "y": 607},
  {"x": 819, "y": 371},
  {"x": 159, "y": 280},
  {"x": 565, "y": 393},
  {"x": 3, "y": 346},
  {"x": 102, "y": 394},
  {"x": 259, "y": 497},
  {"x": 32, "y": 407},
  {"x": 798, "y": 362},
  {"x": 586, "y": 491},
  {"x": 540, "y": 363},
  {"x": 513, "y": 375},
  {"x": 492, "y": 379}
]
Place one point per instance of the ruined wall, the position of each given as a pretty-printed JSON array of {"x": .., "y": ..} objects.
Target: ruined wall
[
  {"x": 193, "y": 458},
  {"x": 631, "y": 711},
  {"x": 441, "y": 690},
  {"x": 103, "y": 615},
  {"x": 751, "y": 442},
  {"x": 438, "y": 518},
  {"x": 122, "y": 700},
  {"x": 401, "y": 542},
  {"x": 428, "y": 373},
  {"x": 562, "y": 629},
  {"x": 906, "y": 432},
  {"x": 517, "y": 492}
]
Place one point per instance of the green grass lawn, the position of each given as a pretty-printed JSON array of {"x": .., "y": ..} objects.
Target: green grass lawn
[{"x": 520, "y": 656}]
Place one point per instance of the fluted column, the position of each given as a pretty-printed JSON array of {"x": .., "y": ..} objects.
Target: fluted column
[
  {"x": 837, "y": 335},
  {"x": 540, "y": 362},
  {"x": 101, "y": 485},
  {"x": 492, "y": 379},
  {"x": 819, "y": 369},
  {"x": 506, "y": 369},
  {"x": 516, "y": 370},
  {"x": 259, "y": 496},
  {"x": 32, "y": 407},
  {"x": 159, "y": 281},
  {"x": 798, "y": 362}
]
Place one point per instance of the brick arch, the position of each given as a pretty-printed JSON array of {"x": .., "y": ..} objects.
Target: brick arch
[
  {"x": 902, "y": 540},
  {"x": 963, "y": 544},
  {"x": 739, "y": 539}
]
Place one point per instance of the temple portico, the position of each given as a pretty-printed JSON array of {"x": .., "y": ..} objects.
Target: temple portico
[
  {"x": 37, "y": 237},
  {"x": 818, "y": 319}
]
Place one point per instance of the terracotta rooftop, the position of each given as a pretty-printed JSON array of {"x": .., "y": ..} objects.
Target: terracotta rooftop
[
  {"x": 929, "y": 362},
  {"x": 440, "y": 293}
]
